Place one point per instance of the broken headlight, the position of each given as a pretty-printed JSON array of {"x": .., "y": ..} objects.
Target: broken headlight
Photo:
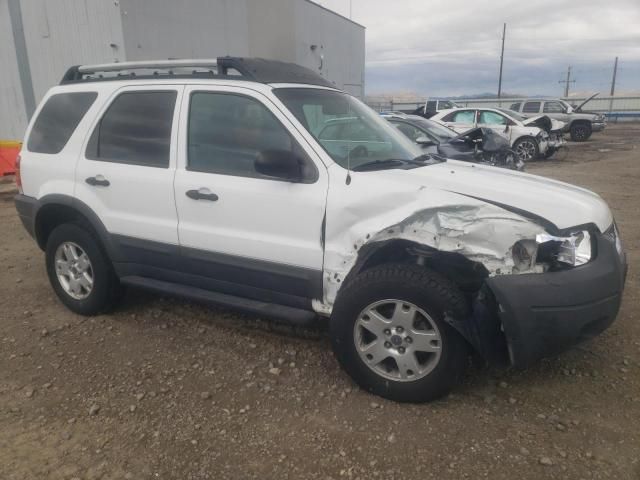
[
  {"x": 549, "y": 250},
  {"x": 574, "y": 250}
]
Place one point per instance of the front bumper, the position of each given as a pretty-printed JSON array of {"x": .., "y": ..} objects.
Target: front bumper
[
  {"x": 543, "y": 314},
  {"x": 598, "y": 126},
  {"x": 556, "y": 140}
]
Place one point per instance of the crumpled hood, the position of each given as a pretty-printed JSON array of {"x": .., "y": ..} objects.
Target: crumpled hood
[
  {"x": 544, "y": 122},
  {"x": 559, "y": 205}
]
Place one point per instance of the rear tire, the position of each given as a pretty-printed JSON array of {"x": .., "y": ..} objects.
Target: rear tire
[
  {"x": 419, "y": 369},
  {"x": 80, "y": 272},
  {"x": 580, "y": 132}
]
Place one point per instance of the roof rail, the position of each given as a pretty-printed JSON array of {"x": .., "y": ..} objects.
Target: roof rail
[{"x": 251, "y": 69}]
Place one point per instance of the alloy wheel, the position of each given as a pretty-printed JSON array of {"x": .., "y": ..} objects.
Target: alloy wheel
[
  {"x": 397, "y": 340},
  {"x": 74, "y": 270}
]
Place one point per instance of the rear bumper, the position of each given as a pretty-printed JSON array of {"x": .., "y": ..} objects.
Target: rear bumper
[
  {"x": 543, "y": 314},
  {"x": 26, "y": 207}
]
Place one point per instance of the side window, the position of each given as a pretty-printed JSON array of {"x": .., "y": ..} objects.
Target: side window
[
  {"x": 531, "y": 107},
  {"x": 515, "y": 106},
  {"x": 135, "y": 129},
  {"x": 408, "y": 131},
  {"x": 431, "y": 105},
  {"x": 58, "y": 120},
  {"x": 492, "y": 118},
  {"x": 553, "y": 107},
  {"x": 464, "y": 116},
  {"x": 227, "y": 132}
]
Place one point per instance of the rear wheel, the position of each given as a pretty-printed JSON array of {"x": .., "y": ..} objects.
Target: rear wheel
[
  {"x": 389, "y": 332},
  {"x": 580, "y": 132},
  {"x": 527, "y": 149},
  {"x": 79, "y": 270}
]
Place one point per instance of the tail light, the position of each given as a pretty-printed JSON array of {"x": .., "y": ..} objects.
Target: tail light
[{"x": 18, "y": 177}]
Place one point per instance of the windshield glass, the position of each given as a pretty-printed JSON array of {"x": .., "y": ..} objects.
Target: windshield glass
[
  {"x": 439, "y": 131},
  {"x": 350, "y": 132}
]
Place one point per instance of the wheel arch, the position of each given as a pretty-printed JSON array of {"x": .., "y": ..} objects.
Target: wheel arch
[{"x": 54, "y": 210}]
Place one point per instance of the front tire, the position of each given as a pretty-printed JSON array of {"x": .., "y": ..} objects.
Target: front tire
[
  {"x": 80, "y": 271},
  {"x": 388, "y": 331},
  {"x": 580, "y": 132},
  {"x": 527, "y": 149}
]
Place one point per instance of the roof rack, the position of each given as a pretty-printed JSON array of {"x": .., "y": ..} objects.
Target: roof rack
[{"x": 249, "y": 69}]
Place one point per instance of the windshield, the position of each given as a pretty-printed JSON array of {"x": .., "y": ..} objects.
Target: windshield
[
  {"x": 350, "y": 132},
  {"x": 441, "y": 132}
]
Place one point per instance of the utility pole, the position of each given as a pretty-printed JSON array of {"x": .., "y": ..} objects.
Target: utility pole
[
  {"x": 504, "y": 33},
  {"x": 567, "y": 82},
  {"x": 613, "y": 80}
]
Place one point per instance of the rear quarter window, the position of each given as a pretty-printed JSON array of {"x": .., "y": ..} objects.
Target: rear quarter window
[{"x": 57, "y": 121}]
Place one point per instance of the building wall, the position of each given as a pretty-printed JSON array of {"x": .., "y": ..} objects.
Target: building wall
[
  {"x": 13, "y": 116},
  {"x": 340, "y": 42},
  {"x": 62, "y": 33},
  {"x": 69, "y": 32},
  {"x": 161, "y": 29}
]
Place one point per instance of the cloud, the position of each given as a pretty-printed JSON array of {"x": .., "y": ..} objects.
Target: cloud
[{"x": 453, "y": 47}]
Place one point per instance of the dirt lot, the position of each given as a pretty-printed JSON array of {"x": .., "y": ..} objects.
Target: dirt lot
[{"x": 166, "y": 389}]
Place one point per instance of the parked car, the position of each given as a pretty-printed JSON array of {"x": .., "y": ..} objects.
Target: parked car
[
  {"x": 478, "y": 145},
  {"x": 209, "y": 180},
  {"x": 431, "y": 107},
  {"x": 531, "y": 138},
  {"x": 578, "y": 123}
]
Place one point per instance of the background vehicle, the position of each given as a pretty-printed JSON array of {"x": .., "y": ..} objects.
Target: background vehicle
[
  {"x": 580, "y": 125},
  {"x": 213, "y": 180},
  {"x": 479, "y": 145},
  {"x": 431, "y": 107},
  {"x": 527, "y": 137}
]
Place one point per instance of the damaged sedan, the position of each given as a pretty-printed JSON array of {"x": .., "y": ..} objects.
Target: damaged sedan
[
  {"x": 478, "y": 145},
  {"x": 531, "y": 138}
]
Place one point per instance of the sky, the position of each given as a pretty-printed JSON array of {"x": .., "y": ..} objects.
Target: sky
[{"x": 452, "y": 48}]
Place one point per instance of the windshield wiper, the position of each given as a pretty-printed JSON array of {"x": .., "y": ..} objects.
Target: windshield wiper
[
  {"x": 380, "y": 164},
  {"x": 419, "y": 161}
]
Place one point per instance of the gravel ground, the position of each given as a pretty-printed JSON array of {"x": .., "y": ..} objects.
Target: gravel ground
[{"x": 167, "y": 389}]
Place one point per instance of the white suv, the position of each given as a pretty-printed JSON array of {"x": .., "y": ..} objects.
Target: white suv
[{"x": 208, "y": 179}]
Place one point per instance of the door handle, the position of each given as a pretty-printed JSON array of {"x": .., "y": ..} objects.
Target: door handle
[
  {"x": 202, "y": 194},
  {"x": 98, "y": 181}
]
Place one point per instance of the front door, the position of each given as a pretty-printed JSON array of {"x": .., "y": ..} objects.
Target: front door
[
  {"x": 461, "y": 120},
  {"x": 240, "y": 231}
]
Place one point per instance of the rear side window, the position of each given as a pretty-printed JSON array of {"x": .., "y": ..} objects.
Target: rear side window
[
  {"x": 531, "y": 107},
  {"x": 136, "y": 129},
  {"x": 58, "y": 120}
]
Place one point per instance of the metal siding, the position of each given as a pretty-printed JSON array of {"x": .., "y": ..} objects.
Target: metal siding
[
  {"x": 271, "y": 31},
  {"x": 13, "y": 117},
  {"x": 161, "y": 29},
  {"x": 339, "y": 40},
  {"x": 69, "y": 32}
]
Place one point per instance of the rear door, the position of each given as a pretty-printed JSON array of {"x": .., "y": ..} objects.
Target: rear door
[
  {"x": 126, "y": 169},
  {"x": 241, "y": 232}
]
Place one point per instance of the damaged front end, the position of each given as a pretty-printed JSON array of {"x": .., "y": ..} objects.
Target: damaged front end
[{"x": 495, "y": 254}]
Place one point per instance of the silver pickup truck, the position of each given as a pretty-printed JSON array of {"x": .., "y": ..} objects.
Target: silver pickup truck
[{"x": 579, "y": 124}]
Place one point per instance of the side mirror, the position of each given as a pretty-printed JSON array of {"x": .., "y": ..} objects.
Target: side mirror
[
  {"x": 425, "y": 142},
  {"x": 281, "y": 164}
]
